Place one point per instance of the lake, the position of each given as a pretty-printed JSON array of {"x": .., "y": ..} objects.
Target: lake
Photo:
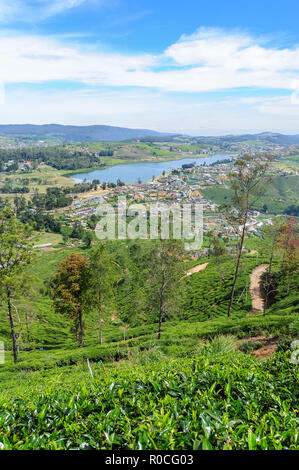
[{"x": 144, "y": 171}]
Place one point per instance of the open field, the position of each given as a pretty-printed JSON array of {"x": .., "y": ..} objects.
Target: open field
[{"x": 39, "y": 179}]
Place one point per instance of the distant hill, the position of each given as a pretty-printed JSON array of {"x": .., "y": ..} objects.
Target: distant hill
[
  {"x": 76, "y": 133},
  {"x": 267, "y": 137},
  {"x": 99, "y": 133}
]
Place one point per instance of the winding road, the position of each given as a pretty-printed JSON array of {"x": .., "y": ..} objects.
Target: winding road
[
  {"x": 255, "y": 289},
  {"x": 196, "y": 269}
]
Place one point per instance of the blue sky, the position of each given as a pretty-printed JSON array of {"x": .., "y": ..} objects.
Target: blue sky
[{"x": 204, "y": 68}]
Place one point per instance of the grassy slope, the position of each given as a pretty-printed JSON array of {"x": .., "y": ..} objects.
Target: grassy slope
[
  {"x": 39, "y": 179},
  {"x": 203, "y": 312},
  {"x": 169, "y": 394},
  {"x": 282, "y": 193},
  {"x": 205, "y": 297}
]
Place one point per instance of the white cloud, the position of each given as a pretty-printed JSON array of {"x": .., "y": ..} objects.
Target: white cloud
[
  {"x": 34, "y": 59},
  {"x": 8, "y": 10},
  {"x": 205, "y": 62},
  {"x": 216, "y": 48},
  {"x": 35, "y": 10},
  {"x": 146, "y": 85}
]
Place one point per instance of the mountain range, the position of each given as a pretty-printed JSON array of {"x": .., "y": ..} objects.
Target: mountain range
[
  {"x": 76, "y": 133},
  {"x": 102, "y": 133}
]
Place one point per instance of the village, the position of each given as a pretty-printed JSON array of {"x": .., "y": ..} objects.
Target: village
[{"x": 180, "y": 186}]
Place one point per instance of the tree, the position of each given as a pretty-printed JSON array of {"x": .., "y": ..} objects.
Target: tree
[
  {"x": 247, "y": 181},
  {"x": 65, "y": 237},
  {"x": 87, "y": 238},
  {"x": 77, "y": 231},
  {"x": 271, "y": 234},
  {"x": 288, "y": 243},
  {"x": 165, "y": 271},
  {"x": 101, "y": 281},
  {"x": 24, "y": 289},
  {"x": 70, "y": 288},
  {"x": 218, "y": 248},
  {"x": 16, "y": 251}
]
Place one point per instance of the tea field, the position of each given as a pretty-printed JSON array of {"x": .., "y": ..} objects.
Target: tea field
[{"x": 210, "y": 382}]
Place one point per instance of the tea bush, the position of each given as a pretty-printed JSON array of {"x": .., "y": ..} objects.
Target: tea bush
[{"x": 230, "y": 403}]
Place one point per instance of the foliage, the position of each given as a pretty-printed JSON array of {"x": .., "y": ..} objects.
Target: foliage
[
  {"x": 247, "y": 181},
  {"x": 101, "y": 281},
  {"x": 221, "y": 344},
  {"x": 15, "y": 252},
  {"x": 165, "y": 271},
  {"x": 69, "y": 289},
  {"x": 233, "y": 403}
]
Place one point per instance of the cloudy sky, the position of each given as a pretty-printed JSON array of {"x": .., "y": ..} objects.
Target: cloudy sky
[{"x": 198, "y": 67}]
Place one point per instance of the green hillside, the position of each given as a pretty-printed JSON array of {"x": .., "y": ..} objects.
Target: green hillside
[
  {"x": 281, "y": 195},
  {"x": 189, "y": 390}
]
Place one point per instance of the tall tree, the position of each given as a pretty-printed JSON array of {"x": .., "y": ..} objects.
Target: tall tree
[
  {"x": 288, "y": 244},
  {"x": 271, "y": 234},
  {"x": 87, "y": 238},
  {"x": 101, "y": 287},
  {"x": 248, "y": 183},
  {"x": 16, "y": 251},
  {"x": 166, "y": 268},
  {"x": 70, "y": 288}
]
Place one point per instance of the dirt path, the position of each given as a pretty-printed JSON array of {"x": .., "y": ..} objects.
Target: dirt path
[
  {"x": 255, "y": 290},
  {"x": 267, "y": 347},
  {"x": 196, "y": 269}
]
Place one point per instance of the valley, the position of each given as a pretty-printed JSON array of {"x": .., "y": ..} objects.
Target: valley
[{"x": 165, "y": 357}]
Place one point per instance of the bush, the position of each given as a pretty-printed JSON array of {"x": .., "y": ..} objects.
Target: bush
[
  {"x": 222, "y": 344},
  {"x": 284, "y": 343},
  {"x": 183, "y": 404},
  {"x": 294, "y": 328},
  {"x": 249, "y": 346},
  {"x": 150, "y": 356}
]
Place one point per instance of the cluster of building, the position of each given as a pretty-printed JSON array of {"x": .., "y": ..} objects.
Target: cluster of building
[{"x": 180, "y": 186}]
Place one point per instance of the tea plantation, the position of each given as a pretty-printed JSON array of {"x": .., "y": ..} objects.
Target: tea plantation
[{"x": 210, "y": 382}]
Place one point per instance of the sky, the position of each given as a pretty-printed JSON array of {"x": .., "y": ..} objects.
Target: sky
[{"x": 194, "y": 67}]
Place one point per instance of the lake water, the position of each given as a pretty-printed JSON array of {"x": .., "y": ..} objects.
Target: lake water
[{"x": 144, "y": 171}]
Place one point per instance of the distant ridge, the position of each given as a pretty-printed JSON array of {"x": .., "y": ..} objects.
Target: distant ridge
[
  {"x": 77, "y": 133},
  {"x": 102, "y": 133},
  {"x": 276, "y": 138},
  {"x": 270, "y": 137}
]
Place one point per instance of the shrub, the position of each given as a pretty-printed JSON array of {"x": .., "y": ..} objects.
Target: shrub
[
  {"x": 284, "y": 343},
  {"x": 222, "y": 344},
  {"x": 294, "y": 328},
  {"x": 150, "y": 356},
  {"x": 249, "y": 346}
]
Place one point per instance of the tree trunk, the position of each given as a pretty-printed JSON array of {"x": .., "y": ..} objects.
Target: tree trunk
[
  {"x": 268, "y": 278},
  {"x": 80, "y": 330},
  {"x": 237, "y": 268},
  {"x": 77, "y": 331},
  {"x": 27, "y": 327},
  {"x": 161, "y": 305},
  {"x": 12, "y": 329},
  {"x": 100, "y": 318}
]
